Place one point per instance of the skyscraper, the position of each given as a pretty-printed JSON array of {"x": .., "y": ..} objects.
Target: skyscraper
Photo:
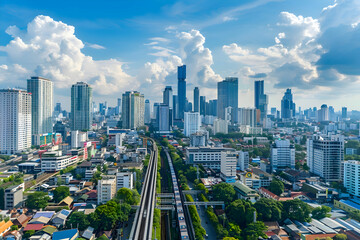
[
  {"x": 192, "y": 123},
  {"x": 168, "y": 96},
  {"x": 41, "y": 90},
  {"x": 212, "y": 108},
  {"x": 81, "y": 99},
  {"x": 181, "y": 91},
  {"x": 323, "y": 113},
  {"x": 118, "y": 107},
  {"x": 247, "y": 116},
  {"x": 282, "y": 154},
  {"x": 175, "y": 107},
  {"x": 228, "y": 97},
  {"x": 202, "y": 105},
  {"x": 261, "y": 100},
  {"x": 344, "y": 113},
  {"x": 15, "y": 121},
  {"x": 196, "y": 99},
  {"x": 287, "y": 105},
  {"x": 162, "y": 117},
  {"x": 133, "y": 110},
  {"x": 324, "y": 156},
  {"x": 147, "y": 117}
]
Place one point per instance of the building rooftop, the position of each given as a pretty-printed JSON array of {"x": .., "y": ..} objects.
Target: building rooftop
[{"x": 65, "y": 235}]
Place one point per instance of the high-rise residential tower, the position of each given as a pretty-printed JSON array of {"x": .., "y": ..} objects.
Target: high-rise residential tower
[
  {"x": 15, "y": 121},
  {"x": 202, "y": 105},
  {"x": 147, "y": 117},
  {"x": 196, "y": 99},
  {"x": 282, "y": 154},
  {"x": 168, "y": 96},
  {"x": 133, "y": 110},
  {"x": 81, "y": 99},
  {"x": 261, "y": 99},
  {"x": 228, "y": 91},
  {"x": 287, "y": 105},
  {"x": 344, "y": 113},
  {"x": 181, "y": 91},
  {"x": 323, "y": 113},
  {"x": 41, "y": 90},
  {"x": 325, "y": 155},
  {"x": 192, "y": 123}
]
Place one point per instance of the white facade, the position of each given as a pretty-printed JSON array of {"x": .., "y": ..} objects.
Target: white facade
[
  {"x": 13, "y": 196},
  {"x": 119, "y": 137},
  {"x": 282, "y": 155},
  {"x": 324, "y": 156},
  {"x": 228, "y": 166},
  {"x": 351, "y": 177},
  {"x": 55, "y": 161},
  {"x": 192, "y": 123},
  {"x": 15, "y": 121},
  {"x": 247, "y": 116},
  {"x": 243, "y": 160},
  {"x": 106, "y": 190},
  {"x": 221, "y": 126},
  {"x": 133, "y": 110},
  {"x": 78, "y": 138},
  {"x": 209, "y": 157},
  {"x": 124, "y": 180},
  {"x": 42, "y": 107}
]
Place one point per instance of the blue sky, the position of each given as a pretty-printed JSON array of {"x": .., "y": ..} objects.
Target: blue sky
[{"x": 122, "y": 45}]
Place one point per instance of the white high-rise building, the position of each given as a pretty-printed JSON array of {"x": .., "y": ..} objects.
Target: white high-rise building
[
  {"x": 106, "y": 189},
  {"x": 324, "y": 156},
  {"x": 243, "y": 160},
  {"x": 228, "y": 166},
  {"x": 192, "y": 123},
  {"x": 15, "y": 121},
  {"x": 147, "y": 118},
  {"x": 221, "y": 126},
  {"x": 124, "y": 180},
  {"x": 247, "y": 116},
  {"x": 41, "y": 90},
  {"x": 282, "y": 154},
  {"x": 81, "y": 101},
  {"x": 352, "y": 177}
]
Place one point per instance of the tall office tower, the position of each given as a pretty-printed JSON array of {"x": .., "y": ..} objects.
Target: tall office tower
[
  {"x": 41, "y": 90},
  {"x": 261, "y": 99},
  {"x": 228, "y": 97},
  {"x": 147, "y": 117},
  {"x": 287, "y": 105},
  {"x": 324, "y": 156},
  {"x": 323, "y": 113},
  {"x": 81, "y": 99},
  {"x": 168, "y": 96},
  {"x": 162, "y": 117},
  {"x": 196, "y": 99},
  {"x": 202, "y": 105},
  {"x": 212, "y": 107},
  {"x": 181, "y": 91},
  {"x": 273, "y": 111},
  {"x": 282, "y": 155},
  {"x": 192, "y": 123},
  {"x": 247, "y": 116},
  {"x": 352, "y": 177},
  {"x": 332, "y": 115},
  {"x": 175, "y": 107},
  {"x": 344, "y": 113},
  {"x": 58, "y": 108},
  {"x": 228, "y": 114},
  {"x": 15, "y": 121},
  {"x": 133, "y": 110},
  {"x": 243, "y": 160},
  {"x": 118, "y": 107},
  {"x": 188, "y": 106}
]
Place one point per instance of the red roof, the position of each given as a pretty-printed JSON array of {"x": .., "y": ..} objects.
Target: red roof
[
  {"x": 92, "y": 194},
  {"x": 35, "y": 227}
]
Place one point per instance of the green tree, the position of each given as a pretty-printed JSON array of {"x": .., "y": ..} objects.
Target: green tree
[
  {"x": 230, "y": 238},
  {"x": 14, "y": 227},
  {"x": 268, "y": 209},
  {"x": 240, "y": 208},
  {"x": 276, "y": 186},
  {"x": 296, "y": 210},
  {"x": 202, "y": 187},
  {"x": 223, "y": 192},
  {"x": 78, "y": 220},
  {"x": 102, "y": 237},
  {"x": 129, "y": 196},
  {"x": 28, "y": 234},
  {"x": 234, "y": 230},
  {"x": 60, "y": 193},
  {"x": 321, "y": 212},
  {"x": 37, "y": 200},
  {"x": 96, "y": 177},
  {"x": 340, "y": 236},
  {"x": 255, "y": 230}
]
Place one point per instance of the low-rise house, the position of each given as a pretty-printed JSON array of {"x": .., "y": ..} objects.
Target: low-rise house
[
  {"x": 40, "y": 220},
  {"x": 13, "y": 235},
  {"x": 35, "y": 227},
  {"x": 22, "y": 220},
  {"x": 59, "y": 219},
  {"x": 88, "y": 233},
  {"x": 4, "y": 227},
  {"x": 66, "y": 202},
  {"x": 244, "y": 192},
  {"x": 70, "y": 234}
]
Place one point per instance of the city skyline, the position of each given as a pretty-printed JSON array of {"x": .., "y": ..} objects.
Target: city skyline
[{"x": 286, "y": 49}]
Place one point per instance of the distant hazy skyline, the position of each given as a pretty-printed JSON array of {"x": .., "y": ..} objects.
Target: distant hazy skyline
[{"x": 310, "y": 46}]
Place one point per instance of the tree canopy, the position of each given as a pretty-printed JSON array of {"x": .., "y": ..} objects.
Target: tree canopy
[
  {"x": 268, "y": 209},
  {"x": 321, "y": 212},
  {"x": 240, "y": 208},
  {"x": 60, "y": 193},
  {"x": 129, "y": 196},
  {"x": 223, "y": 192},
  {"x": 255, "y": 230},
  {"x": 296, "y": 210},
  {"x": 78, "y": 220},
  {"x": 276, "y": 186},
  {"x": 37, "y": 200}
]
